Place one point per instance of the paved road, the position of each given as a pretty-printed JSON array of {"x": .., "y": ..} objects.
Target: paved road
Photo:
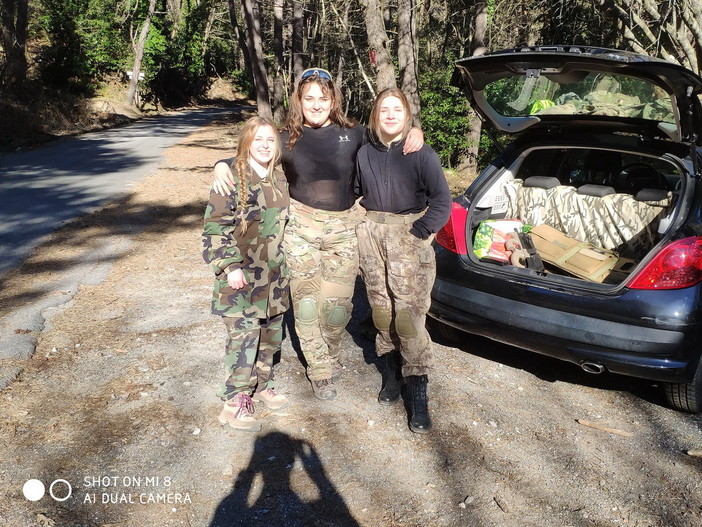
[{"x": 43, "y": 188}]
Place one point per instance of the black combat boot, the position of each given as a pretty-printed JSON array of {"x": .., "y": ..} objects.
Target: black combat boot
[
  {"x": 391, "y": 377},
  {"x": 419, "y": 418}
]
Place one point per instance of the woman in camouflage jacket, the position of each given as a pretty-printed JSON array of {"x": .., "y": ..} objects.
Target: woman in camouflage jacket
[{"x": 242, "y": 243}]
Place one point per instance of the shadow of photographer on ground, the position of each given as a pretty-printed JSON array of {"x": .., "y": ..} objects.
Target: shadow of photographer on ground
[{"x": 283, "y": 462}]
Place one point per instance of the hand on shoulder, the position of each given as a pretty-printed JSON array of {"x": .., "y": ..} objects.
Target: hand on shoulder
[
  {"x": 224, "y": 182},
  {"x": 414, "y": 141}
]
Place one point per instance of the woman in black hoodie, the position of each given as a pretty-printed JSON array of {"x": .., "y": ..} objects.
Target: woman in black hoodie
[{"x": 407, "y": 201}]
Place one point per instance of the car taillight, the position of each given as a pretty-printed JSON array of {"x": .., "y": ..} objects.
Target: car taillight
[
  {"x": 452, "y": 236},
  {"x": 678, "y": 265}
]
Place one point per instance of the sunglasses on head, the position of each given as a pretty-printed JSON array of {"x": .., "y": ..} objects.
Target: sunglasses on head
[{"x": 319, "y": 72}]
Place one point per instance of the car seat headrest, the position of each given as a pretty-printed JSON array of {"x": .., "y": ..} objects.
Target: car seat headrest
[
  {"x": 545, "y": 182},
  {"x": 596, "y": 190}
]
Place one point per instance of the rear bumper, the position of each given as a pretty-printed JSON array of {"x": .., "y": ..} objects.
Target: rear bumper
[{"x": 637, "y": 351}]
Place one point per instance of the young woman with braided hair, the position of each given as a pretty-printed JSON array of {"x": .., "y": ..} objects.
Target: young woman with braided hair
[{"x": 242, "y": 240}]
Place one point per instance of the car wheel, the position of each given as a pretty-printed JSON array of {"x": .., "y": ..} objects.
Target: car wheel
[{"x": 686, "y": 396}]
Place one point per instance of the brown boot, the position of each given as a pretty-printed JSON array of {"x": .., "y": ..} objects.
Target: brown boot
[
  {"x": 324, "y": 389},
  {"x": 337, "y": 370},
  {"x": 272, "y": 399}
]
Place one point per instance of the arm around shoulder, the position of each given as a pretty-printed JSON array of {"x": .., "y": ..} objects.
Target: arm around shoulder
[
  {"x": 414, "y": 141},
  {"x": 224, "y": 182}
]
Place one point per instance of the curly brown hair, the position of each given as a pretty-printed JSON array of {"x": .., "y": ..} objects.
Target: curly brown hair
[{"x": 295, "y": 119}]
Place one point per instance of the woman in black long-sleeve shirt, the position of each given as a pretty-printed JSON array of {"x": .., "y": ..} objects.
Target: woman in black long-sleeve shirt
[{"x": 407, "y": 200}]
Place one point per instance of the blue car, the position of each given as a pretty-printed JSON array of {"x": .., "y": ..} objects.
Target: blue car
[{"x": 582, "y": 240}]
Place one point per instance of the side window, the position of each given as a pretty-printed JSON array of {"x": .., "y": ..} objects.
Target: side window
[
  {"x": 541, "y": 162},
  {"x": 638, "y": 172},
  {"x": 574, "y": 167}
]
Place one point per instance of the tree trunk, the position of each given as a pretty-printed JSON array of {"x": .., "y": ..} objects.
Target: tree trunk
[
  {"x": 407, "y": 56},
  {"x": 209, "y": 26},
  {"x": 379, "y": 44},
  {"x": 341, "y": 62},
  {"x": 174, "y": 8},
  {"x": 278, "y": 77},
  {"x": 477, "y": 46},
  {"x": 13, "y": 27},
  {"x": 258, "y": 66},
  {"x": 241, "y": 39},
  {"x": 297, "y": 38},
  {"x": 470, "y": 162},
  {"x": 139, "y": 55},
  {"x": 693, "y": 18}
]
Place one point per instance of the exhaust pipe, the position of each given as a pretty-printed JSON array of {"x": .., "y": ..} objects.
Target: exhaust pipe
[{"x": 592, "y": 367}]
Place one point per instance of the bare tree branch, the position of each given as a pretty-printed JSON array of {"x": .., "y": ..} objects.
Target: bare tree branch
[{"x": 361, "y": 69}]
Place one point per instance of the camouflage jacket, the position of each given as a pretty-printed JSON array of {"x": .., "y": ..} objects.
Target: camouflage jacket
[{"x": 257, "y": 251}]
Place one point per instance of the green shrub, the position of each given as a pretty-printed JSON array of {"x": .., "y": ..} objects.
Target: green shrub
[
  {"x": 444, "y": 115},
  {"x": 84, "y": 41},
  {"x": 243, "y": 82}
]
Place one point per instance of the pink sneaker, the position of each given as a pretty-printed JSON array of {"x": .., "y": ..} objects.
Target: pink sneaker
[
  {"x": 271, "y": 399},
  {"x": 238, "y": 413}
]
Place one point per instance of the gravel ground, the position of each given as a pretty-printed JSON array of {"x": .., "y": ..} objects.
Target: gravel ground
[{"x": 115, "y": 412}]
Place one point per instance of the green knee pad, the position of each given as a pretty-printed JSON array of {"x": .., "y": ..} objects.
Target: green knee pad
[
  {"x": 307, "y": 310},
  {"x": 338, "y": 317},
  {"x": 404, "y": 325},
  {"x": 381, "y": 318}
]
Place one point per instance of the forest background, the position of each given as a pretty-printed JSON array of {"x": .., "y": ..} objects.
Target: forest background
[{"x": 58, "y": 56}]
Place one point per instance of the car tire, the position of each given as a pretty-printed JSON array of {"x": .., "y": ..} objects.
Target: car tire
[{"x": 686, "y": 397}]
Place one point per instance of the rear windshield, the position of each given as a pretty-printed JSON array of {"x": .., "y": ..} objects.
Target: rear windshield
[
  {"x": 595, "y": 94},
  {"x": 578, "y": 166}
]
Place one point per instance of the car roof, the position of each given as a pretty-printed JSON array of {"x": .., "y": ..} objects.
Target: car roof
[{"x": 567, "y": 66}]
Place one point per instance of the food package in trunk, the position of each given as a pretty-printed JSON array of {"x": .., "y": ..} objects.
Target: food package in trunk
[{"x": 490, "y": 238}]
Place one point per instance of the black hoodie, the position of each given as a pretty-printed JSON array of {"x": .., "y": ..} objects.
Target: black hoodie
[{"x": 404, "y": 184}]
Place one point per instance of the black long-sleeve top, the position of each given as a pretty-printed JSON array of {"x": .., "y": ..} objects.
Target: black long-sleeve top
[
  {"x": 321, "y": 167},
  {"x": 404, "y": 184}
]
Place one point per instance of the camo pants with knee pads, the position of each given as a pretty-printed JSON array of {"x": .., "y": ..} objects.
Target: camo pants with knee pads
[
  {"x": 322, "y": 256},
  {"x": 399, "y": 271}
]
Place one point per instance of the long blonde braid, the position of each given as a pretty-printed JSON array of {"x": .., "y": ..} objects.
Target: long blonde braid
[{"x": 242, "y": 171}]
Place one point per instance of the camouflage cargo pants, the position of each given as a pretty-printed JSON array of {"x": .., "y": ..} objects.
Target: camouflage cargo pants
[
  {"x": 321, "y": 252},
  {"x": 399, "y": 271},
  {"x": 251, "y": 346}
]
